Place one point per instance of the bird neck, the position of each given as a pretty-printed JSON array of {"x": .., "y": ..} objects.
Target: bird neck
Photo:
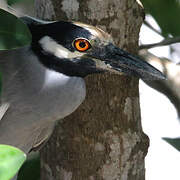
[
  {"x": 24, "y": 76},
  {"x": 37, "y": 96},
  {"x": 20, "y": 68}
]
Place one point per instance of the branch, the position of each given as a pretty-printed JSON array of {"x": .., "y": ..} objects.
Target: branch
[
  {"x": 152, "y": 28},
  {"x": 171, "y": 87},
  {"x": 164, "y": 42}
]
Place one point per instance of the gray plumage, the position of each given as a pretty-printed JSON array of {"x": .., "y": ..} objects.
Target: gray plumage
[
  {"x": 35, "y": 93},
  {"x": 37, "y": 97}
]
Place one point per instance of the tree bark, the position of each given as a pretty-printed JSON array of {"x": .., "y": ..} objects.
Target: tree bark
[{"x": 103, "y": 139}]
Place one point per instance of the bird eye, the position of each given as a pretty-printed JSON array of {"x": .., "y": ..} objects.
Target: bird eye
[{"x": 82, "y": 45}]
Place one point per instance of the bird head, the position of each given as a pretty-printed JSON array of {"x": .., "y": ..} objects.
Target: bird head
[{"x": 77, "y": 49}]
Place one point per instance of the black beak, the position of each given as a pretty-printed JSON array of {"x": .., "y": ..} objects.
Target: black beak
[{"x": 120, "y": 61}]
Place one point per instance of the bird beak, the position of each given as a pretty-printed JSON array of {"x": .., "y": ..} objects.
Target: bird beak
[{"x": 117, "y": 60}]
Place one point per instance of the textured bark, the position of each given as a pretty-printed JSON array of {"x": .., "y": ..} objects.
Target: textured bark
[{"x": 103, "y": 139}]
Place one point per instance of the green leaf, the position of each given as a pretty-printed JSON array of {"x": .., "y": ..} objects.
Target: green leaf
[
  {"x": 11, "y": 160},
  {"x": 175, "y": 142},
  {"x": 11, "y": 2},
  {"x": 166, "y": 13},
  {"x": 13, "y": 32}
]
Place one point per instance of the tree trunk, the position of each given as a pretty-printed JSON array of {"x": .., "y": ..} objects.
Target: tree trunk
[{"x": 103, "y": 139}]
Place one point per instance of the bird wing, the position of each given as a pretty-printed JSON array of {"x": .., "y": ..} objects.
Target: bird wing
[{"x": 37, "y": 96}]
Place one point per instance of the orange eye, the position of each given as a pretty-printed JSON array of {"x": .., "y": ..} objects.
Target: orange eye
[{"x": 82, "y": 45}]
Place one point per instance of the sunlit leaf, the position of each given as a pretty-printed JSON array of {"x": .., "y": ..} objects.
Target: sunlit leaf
[
  {"x": 11, "y": 160},
  {"x": 166, "y": 13},
  {"x": 175, "y": 142},
  {"x": 13, "y": 32}
]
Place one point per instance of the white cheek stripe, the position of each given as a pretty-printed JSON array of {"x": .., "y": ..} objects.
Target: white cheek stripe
[{"x": 51, "y": 46}]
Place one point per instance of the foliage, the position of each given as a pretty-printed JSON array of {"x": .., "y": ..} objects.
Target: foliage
[
  {"x": 11, "y": 2},
  {"x": 175, "y": 142},
  {"x": 166, "y": 13},
  {"x": 13, "y": 32},
  {"x": 11, "y": 160}
]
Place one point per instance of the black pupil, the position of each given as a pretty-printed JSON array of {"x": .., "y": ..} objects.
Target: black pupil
[{"x": 82, "y": 44}]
